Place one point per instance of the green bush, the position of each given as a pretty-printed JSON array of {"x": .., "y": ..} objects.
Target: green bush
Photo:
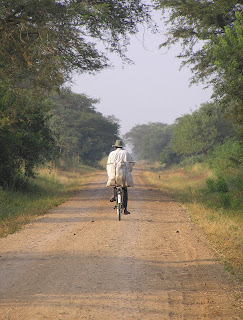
[
  {"x": 225, "y": 200},
  {"x": 222, "y": 194},
  {"x": 211, "y": 185},
  {"x": 169, "y": 157},
  {"x": 239, "y": 183},
  {"x": 217, "y": 186},
  {"x": 225, "y": 156},
  {"x": 221, "y": 185},
  {"x": 190, "y": 161}
]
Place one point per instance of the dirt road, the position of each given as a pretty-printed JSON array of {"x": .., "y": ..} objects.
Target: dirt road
[{"x": 80, "y": 262}]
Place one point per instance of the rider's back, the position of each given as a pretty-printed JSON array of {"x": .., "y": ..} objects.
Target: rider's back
[{"x": 119, "y": 167}]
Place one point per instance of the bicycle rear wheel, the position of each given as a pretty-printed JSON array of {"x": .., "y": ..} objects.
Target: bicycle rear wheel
[
  {"x": 119, "y": 211},
  {"x": 119, "y": 203}
]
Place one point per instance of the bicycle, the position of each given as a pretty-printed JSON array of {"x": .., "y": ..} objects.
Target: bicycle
[{"x": 119, "y": 201}]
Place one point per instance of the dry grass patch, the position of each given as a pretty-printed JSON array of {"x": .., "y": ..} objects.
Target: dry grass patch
[
  {"x": 223, "y": 228},
  {"x": 103, "y": 162},
  {"x": 224, "y": 232},
  {"x": 49, "y": 189},
  {"x": 180, "y": 181}
]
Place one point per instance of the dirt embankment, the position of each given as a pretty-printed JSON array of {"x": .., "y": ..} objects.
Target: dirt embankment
[{"x": 80, "y": 262}]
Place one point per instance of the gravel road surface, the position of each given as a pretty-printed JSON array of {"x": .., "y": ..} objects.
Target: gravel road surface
[{"x": 79, "y": 262}]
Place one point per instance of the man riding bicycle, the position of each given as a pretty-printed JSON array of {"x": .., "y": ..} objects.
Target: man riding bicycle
[{"x": 119, "y": 168}]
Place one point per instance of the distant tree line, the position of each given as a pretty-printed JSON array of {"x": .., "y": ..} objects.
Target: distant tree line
[
  {"x": 148, "y": 140},
  {"x": 190, "y": 139}
]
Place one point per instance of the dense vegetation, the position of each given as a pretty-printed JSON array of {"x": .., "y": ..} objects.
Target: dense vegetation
[
  {"x": 42, "y": 43},
  {"x": 200, "y": 137}
]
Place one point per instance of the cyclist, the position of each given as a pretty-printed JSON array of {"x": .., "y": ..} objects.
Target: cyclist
[{"x": 119, "y": 168}]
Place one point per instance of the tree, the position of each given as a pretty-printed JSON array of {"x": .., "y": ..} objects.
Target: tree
[
  {"x": 155, "y": 141},
  {"x": 210, "y": 33},
  {"x": 25, "y": 138},
  {"x": 201, "y": 131},
  {"x": 133, "y": 138},
  {"x": 168, "y": 156},
  {"x": 81, "y": 130},
  {"x": 228, "y": 57},
  {"x": 191, "y": 22},
  {"x": 149, "y": 140},
  {"x": 42, "y": 41}
]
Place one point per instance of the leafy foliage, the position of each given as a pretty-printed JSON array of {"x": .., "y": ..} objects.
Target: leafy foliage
[
  {"x": 149, "y": 140},
  {"x": 225, "y": 156},
  {"x": 25, "y": 139},
  {"x": 81, "y": 130},
  {"x": 192, "y": 21},
  {"x": 168, "y": 156},
  {"x": 228, "y": 58},
  {"x": 201, "y": 131},
  {"x": 228, "y": 55},
  {"x": 220, "y": 185},
  {"x": 43, "y": 41},
  {"x": 210, "y": 33}
]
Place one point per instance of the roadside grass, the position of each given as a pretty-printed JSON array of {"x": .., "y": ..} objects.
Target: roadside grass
[
  {"x": 222, "y": 225},
  {"x": 50, "y": 188},
  {"x": 103, "y": 163}
]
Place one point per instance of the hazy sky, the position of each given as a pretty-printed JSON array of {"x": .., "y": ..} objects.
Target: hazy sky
[{"x": 151, "y": 90}]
